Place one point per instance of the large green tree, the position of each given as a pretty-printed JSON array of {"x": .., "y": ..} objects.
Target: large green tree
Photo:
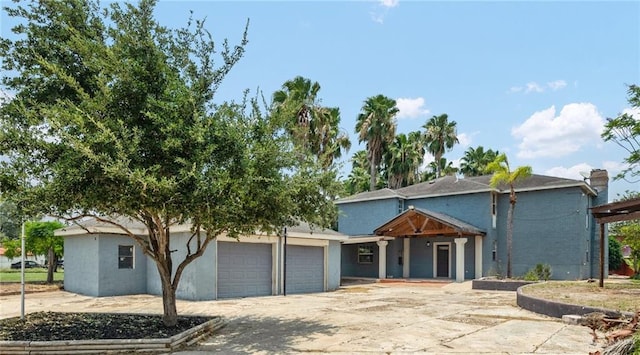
[
  {"x": 475, "y": 161},
  {"x": 40, "y": 240},
  {"x": 116, "y": 119},
  {"x": 376, "y": 125},
  {"x": 624, "y": 130},
  {"x": 313, "y": 126},
  {"x": 440, "y": 135},
  {"x": 503, "y": 175},
  {"x": 403, "y": 159}
]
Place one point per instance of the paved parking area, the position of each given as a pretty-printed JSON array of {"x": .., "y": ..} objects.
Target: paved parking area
[{"x": 369, "y": 318}]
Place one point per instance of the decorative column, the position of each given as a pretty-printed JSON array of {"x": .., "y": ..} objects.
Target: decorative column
[
  {"x": 460, "y": 258},
  {"x": 478, "y": 256},
  {"x": 406, "y": 251},
  {"x": 382, "y": 259}
]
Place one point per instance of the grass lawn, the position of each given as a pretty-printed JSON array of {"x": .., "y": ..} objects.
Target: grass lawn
[
  {"x": 616, "y": 295},
  {"x": 30, "y": 275}
]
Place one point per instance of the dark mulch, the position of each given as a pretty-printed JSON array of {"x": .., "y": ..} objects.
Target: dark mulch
[{"x": 50, "y": 326}]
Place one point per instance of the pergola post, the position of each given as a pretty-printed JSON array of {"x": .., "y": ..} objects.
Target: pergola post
[
  {"x": 478, "y": 257},
  {"x": 601, "y": 254},
  {"x": 382, "y": 259},
  {"x": 460, "y": 258},
  {"x": 406, "y": 252}
]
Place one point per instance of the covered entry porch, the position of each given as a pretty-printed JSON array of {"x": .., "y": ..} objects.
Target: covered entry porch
[{"x": 417, "y": 244}]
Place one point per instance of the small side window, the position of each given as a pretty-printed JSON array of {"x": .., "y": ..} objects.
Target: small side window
[
  {"x": 365, "y": 254},
  {"x": 125, "y": 256}
]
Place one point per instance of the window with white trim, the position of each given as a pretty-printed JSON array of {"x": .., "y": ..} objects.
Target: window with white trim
[
  {"x": 125, "y": 256},
  {"x": 365, "y": 254},
  {"x": 494, "y": 209}
]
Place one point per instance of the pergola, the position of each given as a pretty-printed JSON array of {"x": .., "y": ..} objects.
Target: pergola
[
  {"x": 420, "y": 223},
  {"x": 613, "y": 212}
]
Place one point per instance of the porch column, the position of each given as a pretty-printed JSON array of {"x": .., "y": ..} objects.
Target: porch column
[
  {"x": 460, "y": 258},
  {"x": 382, "y": 260},
  {"x": 406, "y": 251},
  {"x": 478, "y": 256}
]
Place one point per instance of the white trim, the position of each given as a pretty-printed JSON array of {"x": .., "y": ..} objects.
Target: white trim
[
  {"x": 326, "y": 267},
  {"x": 478, "y": 256},
  {"x": 406, "y": 254},
  {"x": 251, "y": 239},
  {"x": 468, "y": 192},
  {"x": 460, "y": 242},
  {"x": 217, "y": 273},
  {"x": 382, "y": 259},
  {"x": 274, "y": 269},
  {"x": 364, "y": 199},
  {"x": 435, "y": 259},
  {"x": 361, "y": 240},
  {"x": 307, "y": 242},
  {"x": 317, "y": 236}
]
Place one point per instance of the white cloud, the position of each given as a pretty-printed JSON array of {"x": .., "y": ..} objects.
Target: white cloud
[
  {"x": 537, "y": 88},
  {"x": 465, "y": 139},
  {"x": 546, "y": 135},
  {"x": 411, "y": 108},
  {"x": 634, "y": 112},
  {"x": 573, "y": 172},
  {"x": 614, "y": 167},
  {"x": 381, "y": 10},
  {"x": 557, "y": 84},
  {"x": 389, "y": 3},
  {"x": 533, "y": 87}
]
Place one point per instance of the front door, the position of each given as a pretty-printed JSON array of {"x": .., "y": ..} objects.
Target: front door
[{"x": 442, "y": 260}]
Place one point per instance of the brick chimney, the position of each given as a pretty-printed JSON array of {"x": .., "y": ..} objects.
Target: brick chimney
[{"x": 599, "y": 180}]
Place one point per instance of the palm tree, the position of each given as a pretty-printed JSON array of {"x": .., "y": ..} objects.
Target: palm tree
[
  {"x": 502, "y": 174},
  {"x": 475, "y": 161},
  {"x": 376, "y": 125},
  {"x": 403, "y": 160},
  {"x": 313, "y": 127},
  {"x": 440, "y": 135},
  {"x": 445, "y": 167}
]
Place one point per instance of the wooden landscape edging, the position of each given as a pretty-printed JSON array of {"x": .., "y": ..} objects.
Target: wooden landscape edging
[{"x": 100, "y": 346}]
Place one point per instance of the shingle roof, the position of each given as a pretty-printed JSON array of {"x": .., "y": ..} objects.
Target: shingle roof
[{"x": 451, "y": 185}]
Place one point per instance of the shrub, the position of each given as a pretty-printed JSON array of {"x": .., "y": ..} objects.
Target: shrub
[
  {"x": 615, "y": 254},
  {"x": 539, "y": 272}
]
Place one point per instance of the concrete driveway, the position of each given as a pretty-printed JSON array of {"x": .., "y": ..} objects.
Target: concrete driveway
[{"x": 369, "y": 318}]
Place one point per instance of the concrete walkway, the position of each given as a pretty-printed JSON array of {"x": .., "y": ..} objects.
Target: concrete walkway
[{"x": 370, "y": 318}]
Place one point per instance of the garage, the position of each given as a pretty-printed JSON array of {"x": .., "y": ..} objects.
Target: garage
[
  {"x": 305, "y": 269},
  {"x": 244, "y": 269}
]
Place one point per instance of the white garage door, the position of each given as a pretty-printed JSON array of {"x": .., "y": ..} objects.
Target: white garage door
[
  {"x": 244, "y": 269},
  {"x": 305, "y": 269}
]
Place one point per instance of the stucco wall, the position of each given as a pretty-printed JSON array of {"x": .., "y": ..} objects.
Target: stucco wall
[
  {"x": 550, "y": 227},
  {"x": 361, "y": 218},
  {"x": 333, "y": 277},
  {"x": 350, "y": 265},
  {"x": 198, "y": 280},
  {"x": 81, "y": 264},
  {"x": 114, "y": 281}
]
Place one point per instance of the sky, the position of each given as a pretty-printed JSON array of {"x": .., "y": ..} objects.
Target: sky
[{"x": 535, "y": 80}]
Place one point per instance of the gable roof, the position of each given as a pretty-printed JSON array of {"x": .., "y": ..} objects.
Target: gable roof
[
  {"x": 422, "y": 222},
  {"x": 302, "y": 230},
  {"x": 452, "y": 185}
]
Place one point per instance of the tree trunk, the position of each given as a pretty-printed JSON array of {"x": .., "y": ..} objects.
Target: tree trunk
[
  {"x": 512, "y": 207},
  {"x": 170, "y": 317},
  {"x": 372, "y": 170},
  {"x": 52, "y": 264}
]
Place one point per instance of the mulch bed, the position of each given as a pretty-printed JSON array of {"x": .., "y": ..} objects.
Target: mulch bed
[{"x": 52, "y": 326}]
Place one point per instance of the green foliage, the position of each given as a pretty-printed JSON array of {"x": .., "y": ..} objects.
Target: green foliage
[
  {"x": 440, "y": 135},
  {"x": 10, "y": 220},
  {"x": 475, "y": 161},
  {"x": 403, "y": 159},
  {"x": 615, "y": 254},
  {"x": 376, "y": 125},
  {"x": 624, "y": 130},
  {"x": 631, "y": 236},
  {"x": 539, "y": 272},
  {"x": 114, "y": 118},
  {"x": 40, "y": 237}
]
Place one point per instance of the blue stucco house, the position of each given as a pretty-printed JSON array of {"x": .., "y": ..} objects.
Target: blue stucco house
[
  {"x": 455, "y": 228},
  {"x": 100, "y": 260}
]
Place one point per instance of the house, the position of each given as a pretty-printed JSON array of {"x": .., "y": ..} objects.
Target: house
[
  {"x": 105, "y": 262},
  {"x": 456, "y": 228}
]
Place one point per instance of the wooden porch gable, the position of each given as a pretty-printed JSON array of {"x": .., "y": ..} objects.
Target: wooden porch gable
[{"x": 416, "y": 222}]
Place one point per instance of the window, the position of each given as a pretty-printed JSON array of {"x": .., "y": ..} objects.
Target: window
[
  {"x": 125, "y": 256},
  {"x": 494, "y": 252},
  {"x": 494, "y": 209},
  {"x": 365, "y": 254},
  {"x": 400, "y": 206}
]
